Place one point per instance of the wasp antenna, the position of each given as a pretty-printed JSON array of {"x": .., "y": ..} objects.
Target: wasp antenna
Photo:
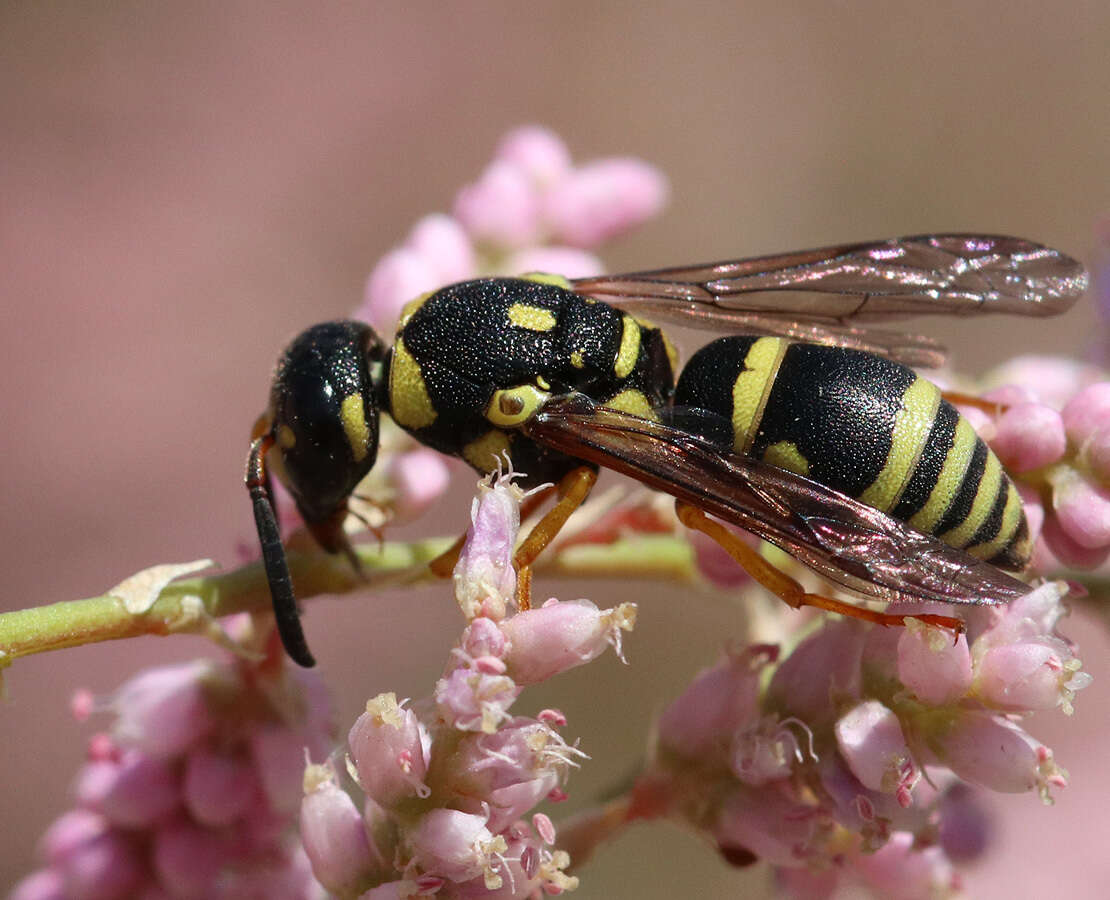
[{"x": 273, "y": 557}]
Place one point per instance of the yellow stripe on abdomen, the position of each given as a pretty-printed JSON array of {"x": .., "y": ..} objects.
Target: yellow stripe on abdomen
[
  {"x": 951, "y": 477},
  {"x": 912, "y": 426}
]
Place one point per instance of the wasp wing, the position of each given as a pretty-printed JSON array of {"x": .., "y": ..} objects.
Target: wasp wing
[
  {"x": 848, "y": 542},
  {"x": 814, "y": 294}
]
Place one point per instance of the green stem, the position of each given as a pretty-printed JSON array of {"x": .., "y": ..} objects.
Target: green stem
[{"x": 190, "y": 604}]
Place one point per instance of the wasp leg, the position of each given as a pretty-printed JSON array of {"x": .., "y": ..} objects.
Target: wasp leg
[
  {"x": 786, "y": 588},
  {"x": 444, "y": 564},
  {"x": 573, "y": 491},
  {"x": 990, "y": 407}
]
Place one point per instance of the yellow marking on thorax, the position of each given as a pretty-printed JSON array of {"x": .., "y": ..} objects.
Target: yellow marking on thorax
[
  {"x": 534, "y": 318},
  {"x": 410, "y": 405},
  {"x": 410, "y": 308},
  {"x": 511, "y": 407},
  {"x": 547, "y": 278},
  {"x": 629, "y": 350},
  {"x": 286, "y": 438},
  {"x": 912, "y": 426},
  {"x": 633, "y": 401},
  {"x": 485, "y": 453},
  {"x": 576, "y": 359},
  {"x": 354, "y": 425},
  {"x": 985, "y": 496},
  {"x": 786, "y": 455},
  {"x": 752, "y": 387},
  {"x": 948, "y": 482},
  {"x": 1011, "y": 521}
]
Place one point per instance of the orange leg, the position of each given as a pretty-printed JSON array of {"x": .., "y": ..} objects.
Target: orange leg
[
  {"x": 573, "y": 491},
  {"x": 990, "y": 407},
  {"x": 786, "y": 588}
]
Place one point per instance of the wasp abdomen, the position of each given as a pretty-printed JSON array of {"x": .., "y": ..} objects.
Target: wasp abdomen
[{"x": 865, "y": 426}]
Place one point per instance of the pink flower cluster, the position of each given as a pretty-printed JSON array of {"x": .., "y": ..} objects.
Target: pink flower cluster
[
  {"x": 194, "y": 792},
  {"x": 1053, "y": 435},
  {"x": 531, "y": 210},
  {"x": 449, "y": 780},
  {"x": 835, "y": 759}
]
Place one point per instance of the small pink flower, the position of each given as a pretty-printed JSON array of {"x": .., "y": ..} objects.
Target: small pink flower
[
  {"x": 501, "y": 208},
  {"x": 473, "y": 700},
  {"x": 401, "y": 275},
  {"x": 387, "y": 750},
  {"x": 602, "y": 199},
  {"x": 932, "y": 665},
  {"x": 165, "y": 710},
  {"x": 536, "y": 151},
  {"x": 569, "y": 262},
  {"x": 107, "y": 866},
  {"x": 418, "y": 478},
  {"x": 822, "y": 670},
  {"x": 902, "y": 870},
  {"x": 1026, "y": 676},
  {"x": 1029, "y": 436},
  {"x": 218, "y": 789},
  {"x": 508, "y": 772},
  {"x": 188, "y": 858},
  {"x": 134, "y": 792},
  {"x": 485, "y": 580},
  {"x": 1087, "y": 412},
  {"x": 457, "y": 846},
  {"x": 443, "y": 244},
  {"x": 70, "y": 831},
  {"x": 278, "y": 757},
  {"x": 993, "y": 752},
  {"x": 871, "y": 741},
  {"x": 769, "y": 750},
  {"x": 559, "y": 636},
  {"x": 1082, "y": 509},
  {"x": 334, "y": 834},
  {"x": 718, "y": 703},
  {"x": 771, "y": 823}
]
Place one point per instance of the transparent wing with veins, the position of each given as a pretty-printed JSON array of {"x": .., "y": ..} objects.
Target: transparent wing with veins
[{"x": 823, "y": 295}]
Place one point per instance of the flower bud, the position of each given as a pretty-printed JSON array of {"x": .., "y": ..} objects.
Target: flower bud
[
  {"x": 602, "y": 199},
  {"x": 218, "y": 789},
  {"x": 932, "y": 665},
  {"x": 165, "y": 710},
  {"x": 718, "y": 703},
  {"x": 334, "y": 834},
  {"x": 501, "y": 208},
  {"x": 870, "y": 739},
  {"x": 559, "y": 636},
  {"x": 387, "y": 750},
  {"x": 1029, "y": 436}
]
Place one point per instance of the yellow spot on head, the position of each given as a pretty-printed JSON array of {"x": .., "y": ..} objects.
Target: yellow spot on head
[
  {"x": 409, "y": 402},
  {"x": 547, "y": 278},
  {"x": 534, "y": 318},
  {"x": 354, "y": 425},
  {"x": 786, "y": 455},
  {"x": 286, "y": 438},
  {"x": 576, "y": 359},
  {"x": 912, "y": 425},
  {"x": 629, "y": 350},
  {"x": 634, "y": 402},
  {"x": 752, "y": 388},
  {"x": 487, "y": 452}
]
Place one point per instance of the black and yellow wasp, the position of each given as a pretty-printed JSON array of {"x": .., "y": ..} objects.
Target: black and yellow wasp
[{"x": 803, "y": 427}]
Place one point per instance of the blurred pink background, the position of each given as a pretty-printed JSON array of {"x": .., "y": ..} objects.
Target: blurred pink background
[{"x": 183, "y": 187}]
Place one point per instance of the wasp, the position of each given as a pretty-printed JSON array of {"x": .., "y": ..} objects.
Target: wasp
[{"x": 805, "y": 425}]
